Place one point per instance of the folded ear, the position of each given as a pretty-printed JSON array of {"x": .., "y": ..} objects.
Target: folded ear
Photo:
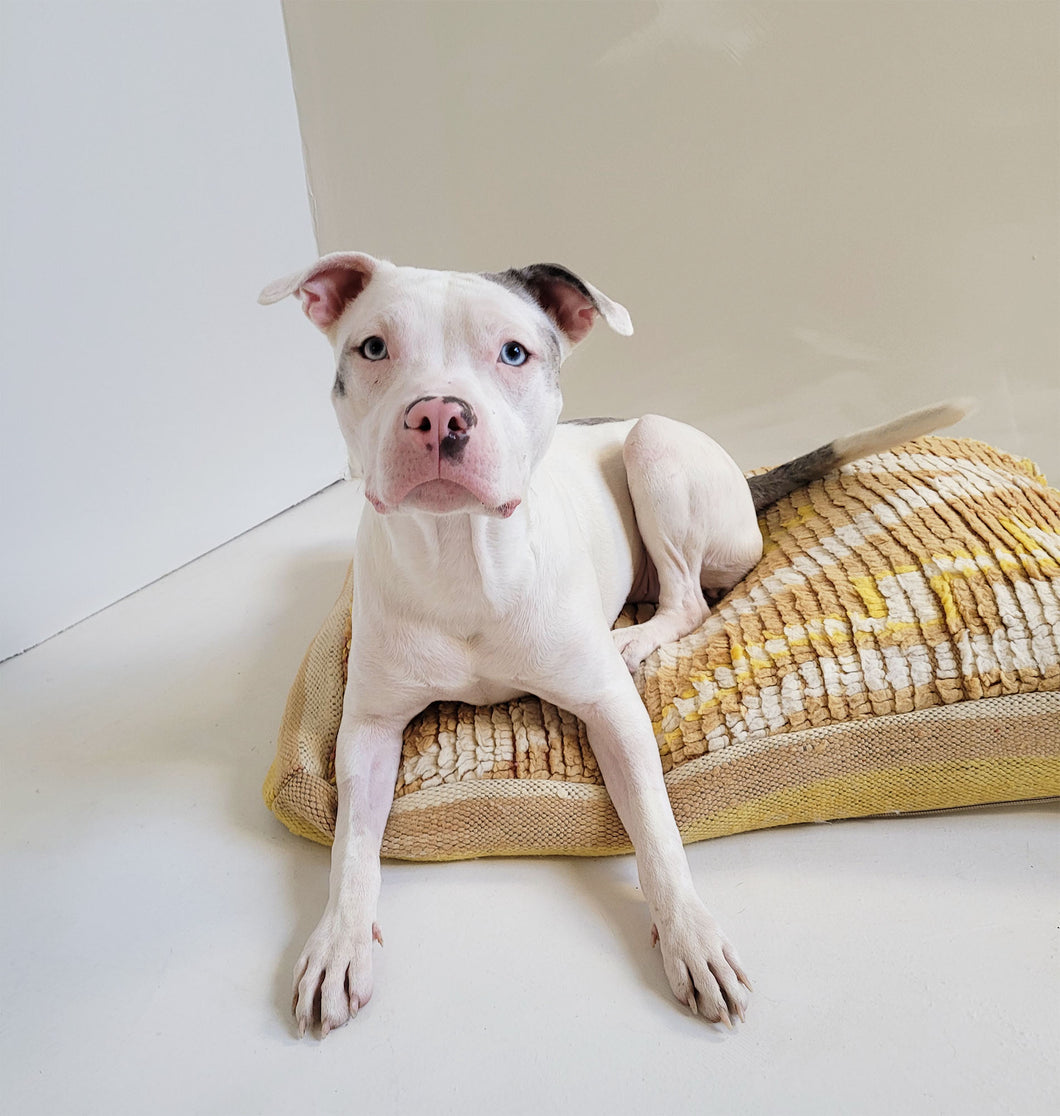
[
  {"x": 326, "y": 287},
  {"x": 569, "y": 301}
]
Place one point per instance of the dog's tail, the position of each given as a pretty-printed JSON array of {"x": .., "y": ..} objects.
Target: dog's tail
[{"x": 770, "y": 487}]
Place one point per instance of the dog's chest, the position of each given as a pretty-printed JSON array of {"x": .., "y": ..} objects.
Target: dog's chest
[{"x": 480, "y": 665}]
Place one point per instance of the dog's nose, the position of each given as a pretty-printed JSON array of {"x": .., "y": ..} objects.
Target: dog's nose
[{"x": 440, "y": 422}]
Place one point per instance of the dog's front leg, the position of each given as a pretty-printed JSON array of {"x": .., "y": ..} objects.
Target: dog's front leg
[
  {"x": 700, "y": 963},
  {"x": 333, "y": 977}
]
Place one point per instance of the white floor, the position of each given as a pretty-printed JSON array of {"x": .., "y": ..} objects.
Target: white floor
[{"x": 152, "y": 910}]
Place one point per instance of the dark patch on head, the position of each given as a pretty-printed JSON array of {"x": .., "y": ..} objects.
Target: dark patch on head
[
  {"x": 536, "y": 280},
  {"x": 589, "y": 421},
  {"x": 770, "y": 487},
  {"x": 532, "y": 285},
  {"x": 343, "y": 367}
]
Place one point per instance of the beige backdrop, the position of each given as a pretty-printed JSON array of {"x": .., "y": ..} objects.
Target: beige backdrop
[{"x": 818, "y": 213}]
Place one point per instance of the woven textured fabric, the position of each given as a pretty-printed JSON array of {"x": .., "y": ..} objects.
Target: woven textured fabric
[{"x": 896, "y": 649}]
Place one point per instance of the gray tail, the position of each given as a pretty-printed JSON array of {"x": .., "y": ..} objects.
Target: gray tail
[{"x": 770, "y": 487}]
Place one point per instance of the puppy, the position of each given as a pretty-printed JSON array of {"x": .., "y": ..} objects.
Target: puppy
[{"x": 497, "y": 551}]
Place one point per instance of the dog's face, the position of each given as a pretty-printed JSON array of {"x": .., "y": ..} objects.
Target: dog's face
[{"x": 447, "y": 383}]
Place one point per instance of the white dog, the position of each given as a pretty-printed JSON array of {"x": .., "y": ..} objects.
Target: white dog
[{"x": 498, "y": 551}]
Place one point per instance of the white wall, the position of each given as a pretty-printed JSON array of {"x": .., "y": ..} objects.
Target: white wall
[
  {"x": 819, "y": 214},
  {"x": 149, "y": 409}
]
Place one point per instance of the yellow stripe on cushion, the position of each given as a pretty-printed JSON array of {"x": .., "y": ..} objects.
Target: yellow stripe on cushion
[{"x": 950, "y": 784}]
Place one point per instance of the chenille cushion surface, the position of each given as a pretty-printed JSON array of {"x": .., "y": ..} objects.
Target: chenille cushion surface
[{"x": 897, "y": 649}]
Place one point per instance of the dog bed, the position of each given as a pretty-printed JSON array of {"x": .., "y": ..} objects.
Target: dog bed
[{"x": 897, "y": 649}]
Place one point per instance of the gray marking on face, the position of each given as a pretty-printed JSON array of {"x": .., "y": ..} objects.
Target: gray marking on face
[
  {"x": 343, "y": 367},
  {"x": 552, "y": 357},
  {"x": 772, "y": 486},
  {"x": 589, "y": 421}
]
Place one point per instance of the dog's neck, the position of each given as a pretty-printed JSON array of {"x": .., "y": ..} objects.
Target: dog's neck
[{"x": 461, "y": 561}]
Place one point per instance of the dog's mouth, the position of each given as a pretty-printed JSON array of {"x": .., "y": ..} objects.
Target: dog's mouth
[{"x": 445, "y": 497}]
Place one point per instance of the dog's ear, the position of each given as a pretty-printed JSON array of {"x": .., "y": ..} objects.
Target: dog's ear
[
  {"x": 326, "y": 287},
  {"x": 569, "y": 301}
]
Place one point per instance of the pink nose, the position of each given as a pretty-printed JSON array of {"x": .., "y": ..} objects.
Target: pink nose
[{"x": 441, "y": 424}]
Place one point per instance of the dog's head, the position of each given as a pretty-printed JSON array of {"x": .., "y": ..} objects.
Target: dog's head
[{"x": 446, "y": 383}]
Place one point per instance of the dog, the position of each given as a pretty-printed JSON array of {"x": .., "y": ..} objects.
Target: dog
[{"x": 498, "y": 550}]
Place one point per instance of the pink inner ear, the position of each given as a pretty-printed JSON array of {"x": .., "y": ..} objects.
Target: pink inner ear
[
  {"x": 325, "y": 294},
  {"x": 574, "y": 312}
]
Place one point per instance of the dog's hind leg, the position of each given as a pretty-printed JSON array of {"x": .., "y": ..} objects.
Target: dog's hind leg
[{"x": 696, "y": 517}]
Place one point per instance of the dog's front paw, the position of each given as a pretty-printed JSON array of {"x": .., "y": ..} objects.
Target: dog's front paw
[
  {"x": 701, "y": 964},
  {"x": 333, "y": 977},
  {"x": 633, "y": 645},
  {"x": 638, "y": 641}
]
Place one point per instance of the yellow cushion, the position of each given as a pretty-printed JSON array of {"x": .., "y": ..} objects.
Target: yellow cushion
[{"x": 897, "y": 649}]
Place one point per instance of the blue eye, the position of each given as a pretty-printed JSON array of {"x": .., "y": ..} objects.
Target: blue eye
[
  {"x": 514, "y": 354},
  {"x": 373, "y": 348}
]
